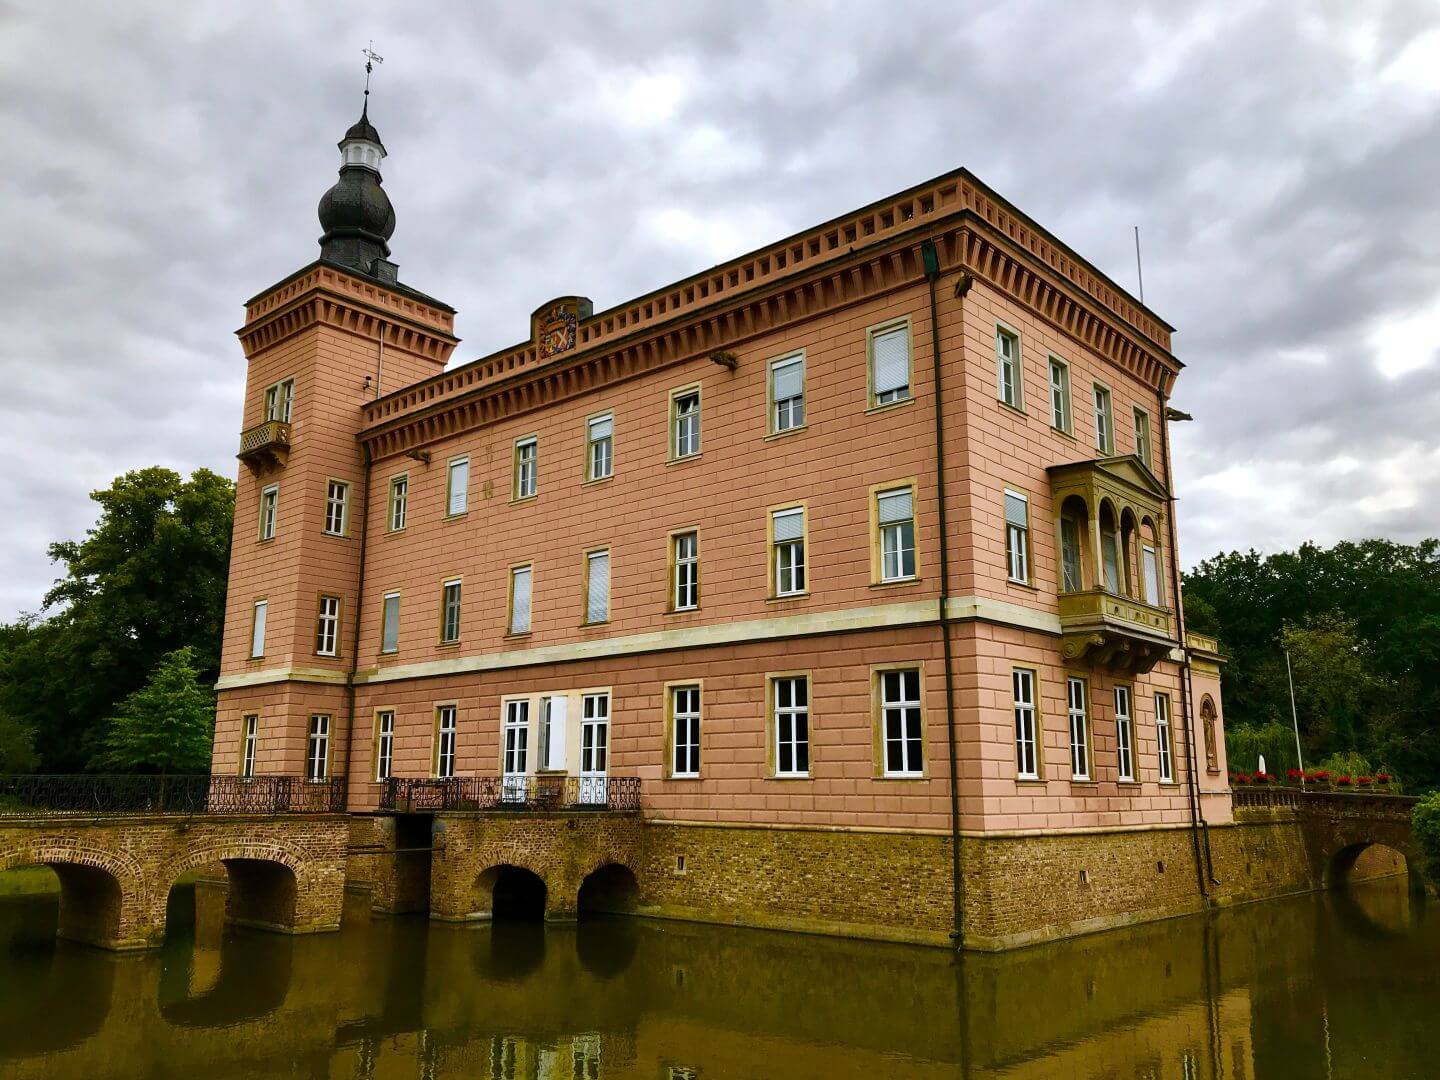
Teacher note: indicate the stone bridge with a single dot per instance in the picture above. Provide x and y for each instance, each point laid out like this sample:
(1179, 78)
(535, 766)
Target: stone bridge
(286, 873)
(1336, 827)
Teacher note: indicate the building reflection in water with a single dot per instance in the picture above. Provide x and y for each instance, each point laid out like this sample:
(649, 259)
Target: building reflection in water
(1235, 997)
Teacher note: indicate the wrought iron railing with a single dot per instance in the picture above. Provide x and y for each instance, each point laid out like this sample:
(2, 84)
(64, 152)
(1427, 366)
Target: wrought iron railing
(81, 794)
(409, 795)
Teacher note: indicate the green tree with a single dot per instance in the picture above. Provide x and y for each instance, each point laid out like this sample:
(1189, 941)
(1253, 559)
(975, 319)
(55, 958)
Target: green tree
(148, 578)
(17, 746)
(165, 726)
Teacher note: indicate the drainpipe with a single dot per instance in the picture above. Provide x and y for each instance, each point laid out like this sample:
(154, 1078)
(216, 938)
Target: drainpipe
(930, 256)
(359, 599)
(1204, 868)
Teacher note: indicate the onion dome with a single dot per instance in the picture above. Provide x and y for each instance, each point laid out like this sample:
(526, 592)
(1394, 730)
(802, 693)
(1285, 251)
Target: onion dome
(356, 213)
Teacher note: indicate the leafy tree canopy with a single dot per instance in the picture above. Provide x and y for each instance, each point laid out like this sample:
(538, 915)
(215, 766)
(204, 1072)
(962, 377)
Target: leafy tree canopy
(1361, 622)
(149, 578)
(165, 726)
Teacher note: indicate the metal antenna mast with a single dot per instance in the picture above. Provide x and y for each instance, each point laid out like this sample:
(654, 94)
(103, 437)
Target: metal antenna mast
(371, 59)
(1138, 272)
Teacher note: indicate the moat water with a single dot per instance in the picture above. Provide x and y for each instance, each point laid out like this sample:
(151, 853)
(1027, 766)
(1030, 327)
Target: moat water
(1321, 986)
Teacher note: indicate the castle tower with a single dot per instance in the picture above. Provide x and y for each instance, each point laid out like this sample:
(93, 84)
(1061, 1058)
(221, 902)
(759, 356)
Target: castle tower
(320, 344)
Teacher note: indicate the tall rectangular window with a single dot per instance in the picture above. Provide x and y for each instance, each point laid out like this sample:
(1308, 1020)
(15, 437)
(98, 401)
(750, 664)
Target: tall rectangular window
(327, 627)
(516, 744)
(399, 501)
(685, 730)
(527, 468)
(1017, 536)
(257, 628)
(685, 557)
(889, 364)
(1104, 421)
(600, 448)
(520, 579)
(1079, 729)
(597, 586)
(1150, 572)
(1027, 762)
(384, 744)
(337, 507)
(1124, 734)
(1071, 577)
(269, 511)
(787, 540)
(279, 399)
(553, 737)
(787, 393)
(457, 487)
(1007, 367)
(248, 749)
(1142, 437)
(895, 517)
(390, 623)
(1059, 395)
(900, 722)
(450, 612)
(791, 697)
(685, 424)
(1162, 738)
(445, 731)
(317, 748)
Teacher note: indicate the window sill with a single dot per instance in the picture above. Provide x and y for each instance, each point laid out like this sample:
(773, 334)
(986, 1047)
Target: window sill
(596, 480)
(787, 433)
(889, 405)
(592, 625)
(788, 598)
(1019, 410)
(456, 517)
(682, 460)
(254, 659)
(385, 654)
(1063, 433)
(392, 532)
(1080, 781)
(517, 635)
(1030, 781)
(685, 776)
(1022, 585)
(903, 778)
(447, 644)
(334, 536)
(905, 583)
(684, 611)
(790, 777)
(265, 540)
(516, 500)
(1128, 783)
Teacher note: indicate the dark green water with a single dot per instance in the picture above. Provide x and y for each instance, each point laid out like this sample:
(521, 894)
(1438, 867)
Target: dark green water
(1340, 985)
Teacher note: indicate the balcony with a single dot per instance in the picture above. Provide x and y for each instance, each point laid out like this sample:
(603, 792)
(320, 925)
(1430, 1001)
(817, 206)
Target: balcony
(1116, 632)
(265, 446)
(424, 795)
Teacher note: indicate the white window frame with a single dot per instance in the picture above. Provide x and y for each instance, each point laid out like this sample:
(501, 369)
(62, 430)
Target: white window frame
(1061, 417)
(515, 738)
(685, 570)
(1009, 380)
(909, 712)
(1077, 693)
(327, 626)
(1125, 733)
(457, 497)
(893, 396)
(249, 744)
(450, 629)
(280, 400)
(447, 729)
(1079, 552)
(896, 540)
(1166, 746)
(788, 568)
(685, 731)
(259, 612)
(525, 572)
(1150, 561)
(317, 749)
(527, 468)
(399, 502)
(591, 557)
(1017, 539)
(269, 511)
(387, 624)
(787, 413)
(685, 426)
(337, 508)
(1104, 405)
(1027, 745)
(1144, 450)
(797, 713)
(600, 449)
(384, 744)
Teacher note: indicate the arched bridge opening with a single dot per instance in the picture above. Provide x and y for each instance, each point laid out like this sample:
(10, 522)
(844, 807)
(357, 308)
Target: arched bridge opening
(511, 894)
(610, 889)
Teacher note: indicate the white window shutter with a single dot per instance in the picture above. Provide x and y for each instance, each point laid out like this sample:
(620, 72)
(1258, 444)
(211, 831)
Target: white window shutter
(598, 591)
(555, 752)
(520, 602)
(896, 506)
(601, 427)
(1016, 512)
(789, 525)
(789, 379)
(891, 360)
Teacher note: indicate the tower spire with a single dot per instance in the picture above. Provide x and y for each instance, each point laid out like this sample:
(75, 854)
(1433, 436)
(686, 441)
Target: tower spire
(356, 213)
(371, 59)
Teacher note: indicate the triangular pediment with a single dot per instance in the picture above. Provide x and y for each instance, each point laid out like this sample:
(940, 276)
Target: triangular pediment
(1125, 469)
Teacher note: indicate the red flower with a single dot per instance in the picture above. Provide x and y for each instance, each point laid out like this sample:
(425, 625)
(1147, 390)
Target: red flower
(1242, 778)
(1321, 774)
(1382, 778)
(1343, 781)
(1365, 780)
(1294, 774)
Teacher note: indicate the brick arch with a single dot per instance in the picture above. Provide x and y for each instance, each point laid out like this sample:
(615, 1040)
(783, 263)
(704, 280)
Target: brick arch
(103, 895)
(258, 894)
(240, 849)
(610, 903)
(497, 867)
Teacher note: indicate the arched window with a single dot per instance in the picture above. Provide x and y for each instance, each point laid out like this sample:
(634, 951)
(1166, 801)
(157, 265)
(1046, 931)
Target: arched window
(1151, 578)
(1207, 722)
(1110, 547)
(1129, 558)
(1074, 530)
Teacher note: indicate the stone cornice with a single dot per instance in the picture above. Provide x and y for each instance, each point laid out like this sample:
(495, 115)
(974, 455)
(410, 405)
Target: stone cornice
(513, 383)
(318, 304)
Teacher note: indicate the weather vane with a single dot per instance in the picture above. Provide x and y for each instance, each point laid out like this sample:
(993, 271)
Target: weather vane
(371, 59)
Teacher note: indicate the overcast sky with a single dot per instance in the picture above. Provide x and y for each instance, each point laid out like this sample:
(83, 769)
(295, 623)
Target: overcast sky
(162, 164)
